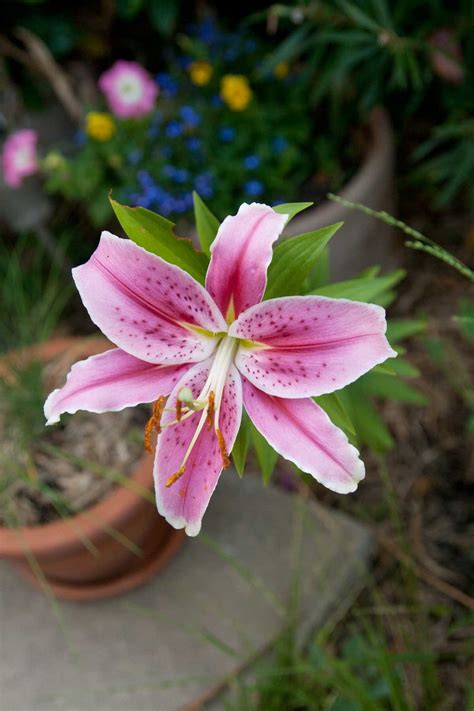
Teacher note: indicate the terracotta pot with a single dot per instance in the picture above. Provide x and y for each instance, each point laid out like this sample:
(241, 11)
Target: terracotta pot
(71, 570)
(362, 241)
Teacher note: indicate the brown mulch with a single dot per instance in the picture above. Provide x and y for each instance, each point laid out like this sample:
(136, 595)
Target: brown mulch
(80, 461)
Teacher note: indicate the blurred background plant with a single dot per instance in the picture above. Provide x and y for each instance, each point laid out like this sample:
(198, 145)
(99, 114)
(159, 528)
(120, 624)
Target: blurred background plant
(219, 127)
(412, 57)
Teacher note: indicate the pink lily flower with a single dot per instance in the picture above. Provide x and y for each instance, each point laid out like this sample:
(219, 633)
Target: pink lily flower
(19, 157)
(207, 352)
(130, 90)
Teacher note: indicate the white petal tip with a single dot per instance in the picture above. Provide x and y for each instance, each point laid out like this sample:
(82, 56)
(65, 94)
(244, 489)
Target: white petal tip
(192, 529)
(52, 420)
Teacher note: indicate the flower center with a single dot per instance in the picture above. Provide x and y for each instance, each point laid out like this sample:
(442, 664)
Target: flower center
(208, 402)
(130, 88)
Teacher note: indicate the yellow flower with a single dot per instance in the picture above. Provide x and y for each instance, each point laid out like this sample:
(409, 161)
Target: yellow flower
(236, 91)
(200, 72)
(281, 70)
(100, 125)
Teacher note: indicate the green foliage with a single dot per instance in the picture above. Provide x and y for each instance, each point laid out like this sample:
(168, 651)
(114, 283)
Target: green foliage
(162, 14)
(33, 292)
(21, 411)
(417, 240)
(413, 57)
(365, 675)
(293, 260)
(155, 234)
(206, 224)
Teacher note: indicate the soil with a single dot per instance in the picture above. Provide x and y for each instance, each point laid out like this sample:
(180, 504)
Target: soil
(91, 453)
(65, 468)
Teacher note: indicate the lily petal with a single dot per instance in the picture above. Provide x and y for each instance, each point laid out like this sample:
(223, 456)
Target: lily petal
(240, 255)
(309, 345)
(149, 308)
(301, 431)
(184, 503)
(109, 382)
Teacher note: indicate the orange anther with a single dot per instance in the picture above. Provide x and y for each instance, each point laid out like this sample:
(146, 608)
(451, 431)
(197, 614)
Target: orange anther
(223, 449)
(149, 427)
(179, 410)
(210, 410)
(174, 477)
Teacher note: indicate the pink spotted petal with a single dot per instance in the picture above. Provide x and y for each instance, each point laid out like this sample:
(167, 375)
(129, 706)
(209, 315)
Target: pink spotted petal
(109, 382)
(241, 253)
(309, 345)
(183, 504)
(301, 431)
(147, 306)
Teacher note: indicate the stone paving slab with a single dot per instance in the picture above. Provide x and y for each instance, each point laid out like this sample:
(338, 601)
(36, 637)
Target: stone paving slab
(174, 641)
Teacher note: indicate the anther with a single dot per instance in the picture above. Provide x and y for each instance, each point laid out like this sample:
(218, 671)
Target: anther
(210, 410)
(154, 422)
(149, 427)
(179, 410)
(174, 477)
(223, 449)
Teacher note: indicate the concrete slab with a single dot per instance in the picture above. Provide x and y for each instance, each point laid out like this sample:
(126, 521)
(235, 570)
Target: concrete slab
(173, 642)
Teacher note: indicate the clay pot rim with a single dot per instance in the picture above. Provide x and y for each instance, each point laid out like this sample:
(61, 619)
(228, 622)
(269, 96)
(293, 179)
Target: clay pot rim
(380, 150)
(52, 538)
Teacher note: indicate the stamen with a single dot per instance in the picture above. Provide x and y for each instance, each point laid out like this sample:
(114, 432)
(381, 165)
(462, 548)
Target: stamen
(149, 427)
(174, 477)
(210, 410)
(223, 449)
(179, 410)
(154, 423)
(158, 408)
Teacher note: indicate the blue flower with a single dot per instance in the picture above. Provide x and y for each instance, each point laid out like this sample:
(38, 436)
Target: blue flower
(167, 84)
(253, 187)
(203, 185)
(190, 116)
(181, 175)
(279, 144)
(227, 134)
(193, 144)
(80, 138)
(231, 54)
(207, 30)
(144, 178)
(216, 101)
(135, 156)
(184, 62)
(174, 129)
(169, 171)
(251, 162)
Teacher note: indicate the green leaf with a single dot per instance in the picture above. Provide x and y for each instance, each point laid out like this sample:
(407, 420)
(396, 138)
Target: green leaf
(386, 386)
(206, 223)
(398, 330)
(291, 208)
(241, 446)
(266, 455)
(400, 366)
(368, 424)
(334, 407)
(163, 15)
(293, 260)
(361, 289)
(155, 234)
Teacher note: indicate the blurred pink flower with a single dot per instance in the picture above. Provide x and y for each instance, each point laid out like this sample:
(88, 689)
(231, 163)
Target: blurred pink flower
(203, 353)
(19, 157)
(446, 56)
(129, 88)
